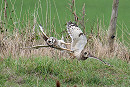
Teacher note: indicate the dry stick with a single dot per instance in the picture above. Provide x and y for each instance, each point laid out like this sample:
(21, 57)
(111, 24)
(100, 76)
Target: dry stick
(50, 30)
(74, 12)
(98, 28)
(125, 32)
(83, 17)
(39, 19)
(9, 12)
(41, 11)
(5, 15)
(103, 22)
(15, 18)
(72, 9)
(46, 14)
(57, 15)
(50, 12)
(20, 14)
(5, 12)
(34, 24)
(112, 26)
(122, 34)
(0, 17)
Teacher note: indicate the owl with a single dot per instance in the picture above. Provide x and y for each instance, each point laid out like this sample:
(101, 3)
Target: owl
(51, 42)
(78, 43)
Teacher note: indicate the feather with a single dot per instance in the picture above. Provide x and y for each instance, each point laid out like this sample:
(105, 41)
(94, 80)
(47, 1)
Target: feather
(45, 37)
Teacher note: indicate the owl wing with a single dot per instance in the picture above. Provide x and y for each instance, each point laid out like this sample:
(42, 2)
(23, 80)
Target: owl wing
(78, 39)
(40, 46)
(45, 37)
(36, 47)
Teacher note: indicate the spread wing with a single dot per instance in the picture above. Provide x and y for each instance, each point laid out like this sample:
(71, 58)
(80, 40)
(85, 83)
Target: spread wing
(45, 37)
(40, 46)
(51, 42)
(36, 47)
(78, 39)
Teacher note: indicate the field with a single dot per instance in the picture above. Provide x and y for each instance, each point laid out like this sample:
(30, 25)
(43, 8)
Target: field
(44, 72)
(43, 67)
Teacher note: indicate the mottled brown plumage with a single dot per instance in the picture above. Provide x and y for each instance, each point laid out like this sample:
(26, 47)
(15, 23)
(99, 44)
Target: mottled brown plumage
(78, 43)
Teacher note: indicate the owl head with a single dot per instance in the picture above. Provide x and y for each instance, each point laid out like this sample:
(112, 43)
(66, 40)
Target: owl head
(51, 41)
(70, 24)
(86, 54)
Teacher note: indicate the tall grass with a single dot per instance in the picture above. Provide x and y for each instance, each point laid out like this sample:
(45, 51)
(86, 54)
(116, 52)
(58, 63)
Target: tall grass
(25, 33)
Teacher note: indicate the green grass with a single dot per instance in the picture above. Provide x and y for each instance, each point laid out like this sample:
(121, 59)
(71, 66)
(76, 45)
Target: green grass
(44, 71)
(94, 9)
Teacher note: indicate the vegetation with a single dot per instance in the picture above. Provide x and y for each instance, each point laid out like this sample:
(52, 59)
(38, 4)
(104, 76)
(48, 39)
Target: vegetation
(45, 71)
(18, 29)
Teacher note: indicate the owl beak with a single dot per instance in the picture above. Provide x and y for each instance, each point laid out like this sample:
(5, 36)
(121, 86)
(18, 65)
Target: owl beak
(68, 23)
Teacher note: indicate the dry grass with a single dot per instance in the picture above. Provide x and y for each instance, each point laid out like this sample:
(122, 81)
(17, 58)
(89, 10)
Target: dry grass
(98, 45)
(28, 35)
(11, 46)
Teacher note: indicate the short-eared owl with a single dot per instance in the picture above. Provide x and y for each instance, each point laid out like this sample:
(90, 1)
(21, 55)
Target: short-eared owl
(51, 42)
(78, 42)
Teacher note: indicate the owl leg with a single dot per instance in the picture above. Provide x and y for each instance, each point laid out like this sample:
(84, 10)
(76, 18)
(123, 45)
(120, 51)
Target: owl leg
(61, 48)
(71, 54)
(65, 43)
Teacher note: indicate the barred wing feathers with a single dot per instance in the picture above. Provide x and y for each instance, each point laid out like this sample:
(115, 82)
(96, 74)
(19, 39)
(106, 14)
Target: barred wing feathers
(45, 37)
(78, 39)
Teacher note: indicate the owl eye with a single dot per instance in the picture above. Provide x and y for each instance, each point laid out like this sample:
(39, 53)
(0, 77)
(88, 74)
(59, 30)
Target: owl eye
(85, 53)
(49, 41)
(53, 40)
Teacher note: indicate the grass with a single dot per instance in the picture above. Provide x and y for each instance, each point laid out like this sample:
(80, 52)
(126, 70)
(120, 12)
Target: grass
(25, 68)
(94, 9)
(53, 14)
(44, 71)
